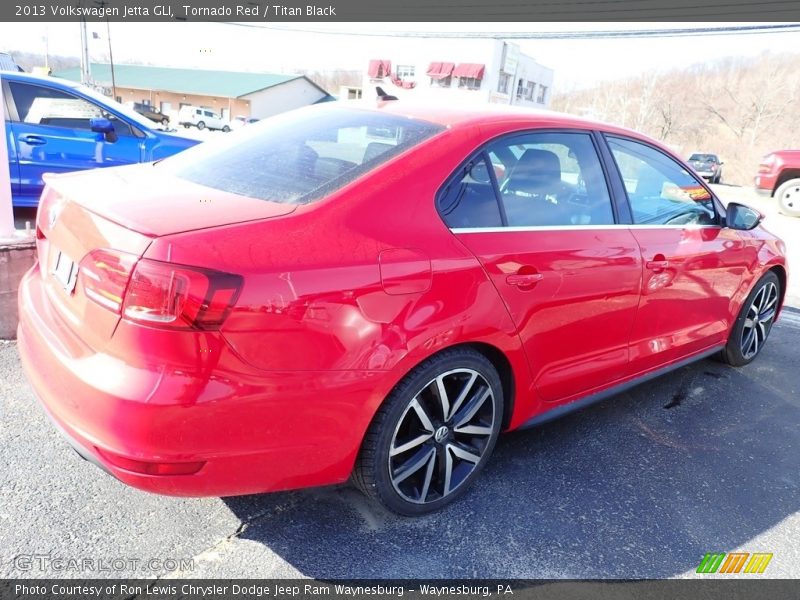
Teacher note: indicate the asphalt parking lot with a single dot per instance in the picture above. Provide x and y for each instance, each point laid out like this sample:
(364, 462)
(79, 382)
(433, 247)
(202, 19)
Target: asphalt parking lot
(643, 485)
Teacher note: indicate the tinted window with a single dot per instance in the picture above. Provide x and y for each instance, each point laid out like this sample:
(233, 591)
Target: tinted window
(470, 199)
(299, 156)
(537, 179)
(39, 105)
(661, 191)
(548, 179)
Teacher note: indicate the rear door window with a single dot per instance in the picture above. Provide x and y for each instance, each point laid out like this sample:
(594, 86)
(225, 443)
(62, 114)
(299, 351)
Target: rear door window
(300, 156)
(541, 179)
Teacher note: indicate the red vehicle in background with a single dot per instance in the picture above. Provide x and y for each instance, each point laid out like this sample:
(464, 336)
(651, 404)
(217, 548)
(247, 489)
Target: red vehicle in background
(375, 292)
(779, 176)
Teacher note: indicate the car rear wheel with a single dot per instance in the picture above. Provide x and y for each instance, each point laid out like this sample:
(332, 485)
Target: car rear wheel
(433, 434)
(165, 121)
(201, 125)
(788, 196)
(752, 326)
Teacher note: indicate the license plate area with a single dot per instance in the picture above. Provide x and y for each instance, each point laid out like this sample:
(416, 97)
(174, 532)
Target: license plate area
(65, 272)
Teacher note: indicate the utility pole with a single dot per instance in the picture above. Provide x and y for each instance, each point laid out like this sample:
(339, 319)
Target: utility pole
(86, 68)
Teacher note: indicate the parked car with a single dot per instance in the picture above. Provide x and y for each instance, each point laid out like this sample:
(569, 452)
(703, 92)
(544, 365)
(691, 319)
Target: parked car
(151, 112)
(299, 304)
(7, 63)
(201, 118)
(708, 166)
(56, 126)
(779, 176)
(240, 121)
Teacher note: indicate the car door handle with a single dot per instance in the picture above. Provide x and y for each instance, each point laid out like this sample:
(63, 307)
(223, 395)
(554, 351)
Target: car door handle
(524, 279)
(33, 140)
(657, 265)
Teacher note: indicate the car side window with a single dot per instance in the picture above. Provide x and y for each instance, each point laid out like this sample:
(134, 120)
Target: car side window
(470, 199)
(40, 105)
(551, 179)
(660, 190)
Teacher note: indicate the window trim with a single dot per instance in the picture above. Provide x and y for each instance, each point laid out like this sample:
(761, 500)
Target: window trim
(481, 151)
(622, 191)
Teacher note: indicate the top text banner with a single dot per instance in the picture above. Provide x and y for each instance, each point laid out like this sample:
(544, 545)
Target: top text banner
(403, 10)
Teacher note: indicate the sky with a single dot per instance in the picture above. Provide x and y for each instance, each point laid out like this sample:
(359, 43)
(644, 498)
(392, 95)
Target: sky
(577, 63)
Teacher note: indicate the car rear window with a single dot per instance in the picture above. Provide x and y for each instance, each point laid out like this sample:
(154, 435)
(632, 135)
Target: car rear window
(300, 156)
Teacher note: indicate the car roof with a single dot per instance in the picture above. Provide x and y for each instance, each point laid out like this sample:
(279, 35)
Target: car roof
(18, 75)
(468, 116)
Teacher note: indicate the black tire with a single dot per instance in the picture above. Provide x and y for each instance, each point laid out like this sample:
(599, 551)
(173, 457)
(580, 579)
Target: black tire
(718, 179)
(226, 129)
(788, 197)
(201, 125)
(755, 318)
(186, 126)
(165, 121)
(419, 479)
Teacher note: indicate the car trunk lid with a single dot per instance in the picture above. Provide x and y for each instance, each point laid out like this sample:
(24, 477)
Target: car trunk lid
(121, 210)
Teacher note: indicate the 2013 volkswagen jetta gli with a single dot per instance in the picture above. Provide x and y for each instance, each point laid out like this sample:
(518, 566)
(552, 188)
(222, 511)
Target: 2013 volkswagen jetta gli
(376, 292)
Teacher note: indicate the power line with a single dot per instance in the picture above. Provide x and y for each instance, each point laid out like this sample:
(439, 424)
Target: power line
(548, 35)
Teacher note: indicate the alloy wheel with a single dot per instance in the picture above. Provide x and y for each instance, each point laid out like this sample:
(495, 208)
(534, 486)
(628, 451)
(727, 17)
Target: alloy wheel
(758, 321)
(442, 436)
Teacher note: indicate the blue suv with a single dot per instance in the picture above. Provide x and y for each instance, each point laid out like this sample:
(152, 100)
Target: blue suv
(55, 126)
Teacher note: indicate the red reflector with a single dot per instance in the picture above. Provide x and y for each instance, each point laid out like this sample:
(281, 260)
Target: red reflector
(104, 275)
(152, 468)
(178, 296)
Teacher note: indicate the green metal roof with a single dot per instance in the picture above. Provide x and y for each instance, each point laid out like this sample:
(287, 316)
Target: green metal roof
(225, 84)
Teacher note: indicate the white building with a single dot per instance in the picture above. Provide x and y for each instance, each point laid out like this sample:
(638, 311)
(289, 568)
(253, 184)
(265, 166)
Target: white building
(457, 71)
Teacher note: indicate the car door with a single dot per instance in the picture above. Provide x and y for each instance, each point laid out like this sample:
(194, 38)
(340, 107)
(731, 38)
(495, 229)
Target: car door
(535, 209)
(51, 129)
(692, 265)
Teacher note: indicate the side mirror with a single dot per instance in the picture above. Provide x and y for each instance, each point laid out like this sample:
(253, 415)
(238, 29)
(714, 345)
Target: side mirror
(104, 126)
(739, 216)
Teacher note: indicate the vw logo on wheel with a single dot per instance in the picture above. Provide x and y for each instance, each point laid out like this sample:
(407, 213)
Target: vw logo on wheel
(441, 434)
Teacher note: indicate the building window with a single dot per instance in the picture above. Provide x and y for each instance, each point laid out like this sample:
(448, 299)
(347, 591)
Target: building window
(444, 82)
(529, 90)
(540, 98)
(469, 83)
(503, 83)
(405, 72)
(520, 89)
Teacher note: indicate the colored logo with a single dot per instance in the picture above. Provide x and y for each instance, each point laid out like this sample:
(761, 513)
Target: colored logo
(734, 562)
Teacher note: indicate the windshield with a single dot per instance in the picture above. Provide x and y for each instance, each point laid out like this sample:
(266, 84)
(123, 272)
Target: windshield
(703, 157)
(302, 155)
(121, 109)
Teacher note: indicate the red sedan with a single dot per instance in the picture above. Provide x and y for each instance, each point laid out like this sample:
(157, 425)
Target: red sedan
(375, 293)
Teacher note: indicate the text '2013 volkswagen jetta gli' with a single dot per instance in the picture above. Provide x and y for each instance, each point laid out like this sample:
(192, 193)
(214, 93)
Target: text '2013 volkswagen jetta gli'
(376, 292)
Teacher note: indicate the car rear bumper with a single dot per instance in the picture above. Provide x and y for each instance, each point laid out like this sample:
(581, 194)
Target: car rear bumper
(252, 433)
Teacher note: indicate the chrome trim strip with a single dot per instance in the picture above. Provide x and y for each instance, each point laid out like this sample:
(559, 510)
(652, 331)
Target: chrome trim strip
(457, 230)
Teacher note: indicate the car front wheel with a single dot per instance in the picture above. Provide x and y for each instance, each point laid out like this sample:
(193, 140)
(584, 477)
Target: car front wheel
(433, 434)
(788, 196)
(201, 125)
(752, 326)
(226, 129)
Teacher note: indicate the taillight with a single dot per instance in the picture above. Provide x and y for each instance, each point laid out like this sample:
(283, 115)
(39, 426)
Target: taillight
(177, 296)
(104, 275)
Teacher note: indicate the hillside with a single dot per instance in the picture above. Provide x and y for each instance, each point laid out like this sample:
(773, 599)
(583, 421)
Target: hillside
(739, 108)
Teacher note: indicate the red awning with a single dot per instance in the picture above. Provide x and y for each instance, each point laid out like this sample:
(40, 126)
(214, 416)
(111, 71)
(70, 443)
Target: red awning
(378, 69)
(440, 70)
(471, 70)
